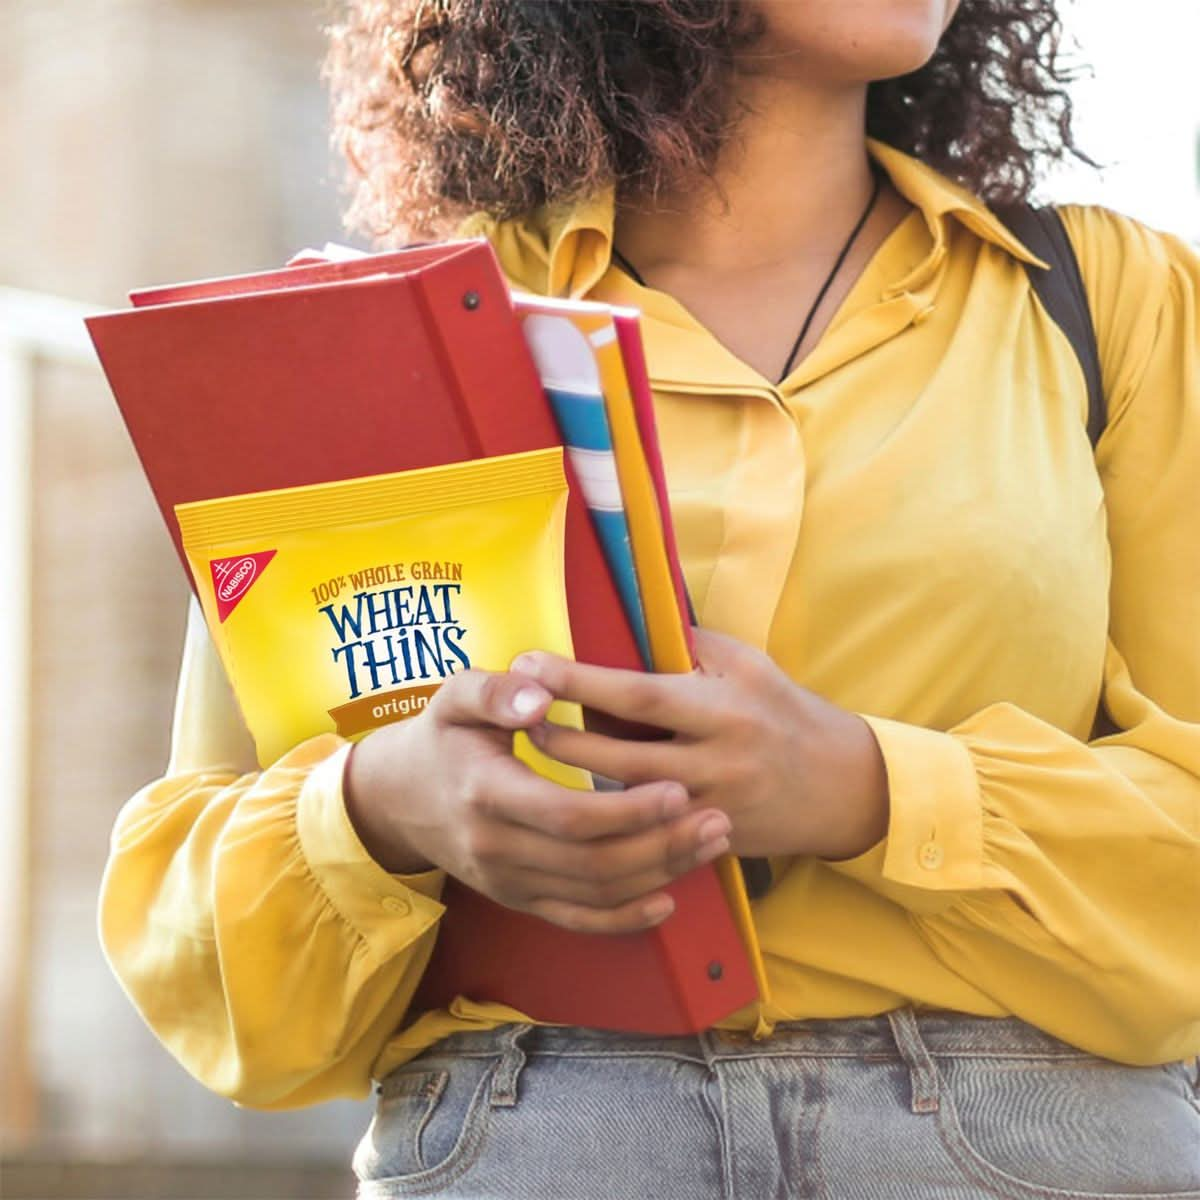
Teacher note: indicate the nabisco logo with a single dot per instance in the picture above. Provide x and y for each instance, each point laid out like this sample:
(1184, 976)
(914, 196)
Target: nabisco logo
(233, 578)
(236, 580)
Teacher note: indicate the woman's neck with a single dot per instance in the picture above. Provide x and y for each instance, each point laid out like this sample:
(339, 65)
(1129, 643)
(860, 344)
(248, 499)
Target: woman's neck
(756, 255)
(789, 184)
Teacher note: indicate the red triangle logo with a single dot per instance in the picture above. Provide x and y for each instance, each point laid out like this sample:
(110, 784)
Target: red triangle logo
(234, 577)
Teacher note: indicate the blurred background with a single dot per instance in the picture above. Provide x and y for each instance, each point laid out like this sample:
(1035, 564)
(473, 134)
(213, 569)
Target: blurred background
(148, 141)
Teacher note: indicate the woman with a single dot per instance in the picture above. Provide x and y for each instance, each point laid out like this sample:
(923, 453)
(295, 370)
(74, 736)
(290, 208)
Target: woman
(915, 583)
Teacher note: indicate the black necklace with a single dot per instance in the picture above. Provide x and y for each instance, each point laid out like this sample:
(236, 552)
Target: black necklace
(634, 274)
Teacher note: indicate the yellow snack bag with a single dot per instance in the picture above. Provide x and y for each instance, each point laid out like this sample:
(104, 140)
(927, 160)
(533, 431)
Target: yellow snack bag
(340, 607)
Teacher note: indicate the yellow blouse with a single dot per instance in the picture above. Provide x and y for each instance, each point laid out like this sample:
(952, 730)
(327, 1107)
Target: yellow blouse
(914, 526)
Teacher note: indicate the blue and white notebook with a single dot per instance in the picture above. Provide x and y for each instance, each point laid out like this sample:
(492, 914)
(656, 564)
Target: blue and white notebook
(571, 378)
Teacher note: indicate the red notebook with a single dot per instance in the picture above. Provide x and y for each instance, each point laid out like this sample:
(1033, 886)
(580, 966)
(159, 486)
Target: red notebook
(389, 363)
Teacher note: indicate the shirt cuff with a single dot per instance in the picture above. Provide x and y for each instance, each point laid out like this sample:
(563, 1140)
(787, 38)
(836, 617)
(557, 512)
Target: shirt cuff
(934, 840)
(388, 911)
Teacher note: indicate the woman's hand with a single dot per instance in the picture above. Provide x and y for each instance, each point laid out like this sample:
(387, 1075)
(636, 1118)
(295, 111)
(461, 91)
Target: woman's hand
(444, 789)
(795, 774)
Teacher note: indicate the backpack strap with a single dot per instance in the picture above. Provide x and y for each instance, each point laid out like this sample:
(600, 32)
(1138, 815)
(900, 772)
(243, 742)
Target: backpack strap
(1062, 292)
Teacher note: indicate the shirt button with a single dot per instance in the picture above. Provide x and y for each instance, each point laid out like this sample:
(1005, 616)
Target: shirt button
(397, 905)
(930, 856)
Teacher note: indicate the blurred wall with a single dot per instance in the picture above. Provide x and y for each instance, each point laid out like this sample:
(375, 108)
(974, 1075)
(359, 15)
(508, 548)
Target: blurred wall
(141, 141)
(146, 140)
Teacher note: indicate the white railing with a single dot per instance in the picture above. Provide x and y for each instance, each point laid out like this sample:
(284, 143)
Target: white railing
(33, 328)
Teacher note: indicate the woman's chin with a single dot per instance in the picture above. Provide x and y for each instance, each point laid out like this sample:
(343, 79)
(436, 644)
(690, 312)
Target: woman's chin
(851, 42)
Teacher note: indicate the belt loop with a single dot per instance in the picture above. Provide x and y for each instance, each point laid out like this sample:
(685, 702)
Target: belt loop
(508, 1069)
(915, 1053)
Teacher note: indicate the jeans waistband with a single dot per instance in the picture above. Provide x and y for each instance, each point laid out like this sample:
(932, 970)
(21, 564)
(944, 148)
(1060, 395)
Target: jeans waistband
(894, 1034)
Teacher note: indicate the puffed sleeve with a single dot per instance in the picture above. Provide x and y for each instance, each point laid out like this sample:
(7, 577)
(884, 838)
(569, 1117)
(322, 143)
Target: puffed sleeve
(260, 942)
(1062, 877)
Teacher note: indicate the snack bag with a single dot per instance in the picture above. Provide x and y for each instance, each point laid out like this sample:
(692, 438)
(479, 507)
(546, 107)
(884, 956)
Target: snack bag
(340, 607)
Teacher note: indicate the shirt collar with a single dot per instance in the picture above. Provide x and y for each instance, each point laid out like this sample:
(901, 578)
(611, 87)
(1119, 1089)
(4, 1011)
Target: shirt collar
(938, 197)
(560, 250)
(565, 249)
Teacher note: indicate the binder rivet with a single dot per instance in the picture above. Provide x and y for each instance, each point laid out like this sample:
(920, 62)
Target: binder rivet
(715, 970)
(471, 301)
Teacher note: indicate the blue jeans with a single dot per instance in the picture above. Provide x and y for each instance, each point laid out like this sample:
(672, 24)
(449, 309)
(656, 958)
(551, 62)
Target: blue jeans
(936, 1106)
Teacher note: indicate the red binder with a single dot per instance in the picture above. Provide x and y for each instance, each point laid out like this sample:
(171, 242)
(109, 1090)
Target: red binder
(389, 363)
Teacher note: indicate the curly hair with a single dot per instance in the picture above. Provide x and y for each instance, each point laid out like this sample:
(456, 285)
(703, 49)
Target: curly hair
(443, 107)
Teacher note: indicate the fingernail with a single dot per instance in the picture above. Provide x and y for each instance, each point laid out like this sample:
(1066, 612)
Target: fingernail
(658, 910)
(525, 664)
(675, 801)
(712, 828)
(711, 850)
(528, 700)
